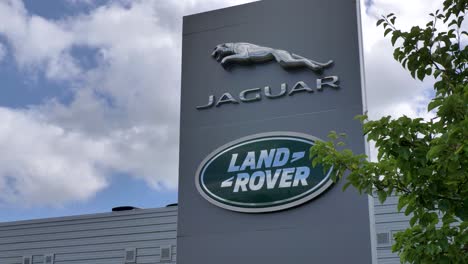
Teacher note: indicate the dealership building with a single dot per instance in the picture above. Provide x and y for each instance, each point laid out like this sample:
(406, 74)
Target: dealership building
(261, 84)
(143, 236)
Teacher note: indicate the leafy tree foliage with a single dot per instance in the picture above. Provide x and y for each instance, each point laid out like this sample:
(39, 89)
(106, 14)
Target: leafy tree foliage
(424, 162)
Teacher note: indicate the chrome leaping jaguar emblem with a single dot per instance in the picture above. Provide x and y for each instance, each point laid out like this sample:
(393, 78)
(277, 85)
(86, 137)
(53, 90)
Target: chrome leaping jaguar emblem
(237, 53)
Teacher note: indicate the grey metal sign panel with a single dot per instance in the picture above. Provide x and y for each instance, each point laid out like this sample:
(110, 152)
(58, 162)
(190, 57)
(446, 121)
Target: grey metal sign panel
(333, 227)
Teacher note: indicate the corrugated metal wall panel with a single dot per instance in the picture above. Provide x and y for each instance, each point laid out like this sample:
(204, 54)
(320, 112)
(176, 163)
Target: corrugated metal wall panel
(97, 239)
(89, 233)
(390, 200)
(389, 261)
(83, 219)
(115, 224)
(103, 238)
(88, 248)
(391, 217)
(388, 220)
(386, 253)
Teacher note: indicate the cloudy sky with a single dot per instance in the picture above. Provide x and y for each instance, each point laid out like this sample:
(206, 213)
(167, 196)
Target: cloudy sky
(83, 124)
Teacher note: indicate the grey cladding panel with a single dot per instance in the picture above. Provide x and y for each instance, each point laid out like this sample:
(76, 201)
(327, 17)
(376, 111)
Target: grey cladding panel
(386, 253)
(81, 220)
(388, 222)
(321, 30)
(97, 239)
(390, 261)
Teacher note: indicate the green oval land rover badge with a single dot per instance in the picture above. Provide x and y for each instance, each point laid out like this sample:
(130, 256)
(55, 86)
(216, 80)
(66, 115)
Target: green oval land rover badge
(262, 173)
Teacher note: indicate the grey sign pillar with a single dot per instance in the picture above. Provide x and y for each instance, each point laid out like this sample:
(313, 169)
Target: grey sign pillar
(332, 228)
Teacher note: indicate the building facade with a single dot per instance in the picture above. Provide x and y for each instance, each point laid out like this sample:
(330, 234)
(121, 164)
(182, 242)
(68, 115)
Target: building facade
(140, 236)
(250, 110)
(137, 236)
(388, 221)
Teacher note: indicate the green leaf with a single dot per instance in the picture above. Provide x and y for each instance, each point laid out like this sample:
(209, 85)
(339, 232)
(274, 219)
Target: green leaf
(434, 151)
(388, 30)
(409, 209)
(421, 74)
(395, 38)
(460, 21)
(404, 62)
(402, 201)
(382, 196)
(428, 72)
(452, 23)
(433, 104)
(424, 160)
(346, 185)
(361, 118)
(380, 21)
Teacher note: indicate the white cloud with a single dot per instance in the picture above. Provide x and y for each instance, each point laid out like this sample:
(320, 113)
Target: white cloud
(44, 164)
(390, 88)
(35, 41)
(409, 13)
(125, 112)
